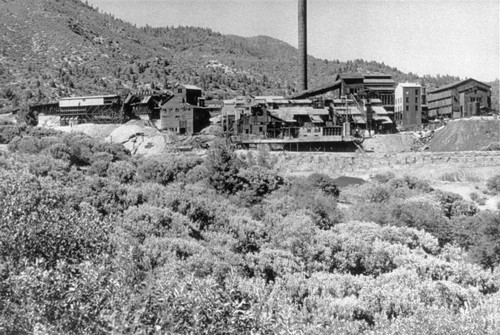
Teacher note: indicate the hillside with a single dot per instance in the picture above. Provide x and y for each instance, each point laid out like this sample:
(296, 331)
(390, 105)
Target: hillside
(55, 48)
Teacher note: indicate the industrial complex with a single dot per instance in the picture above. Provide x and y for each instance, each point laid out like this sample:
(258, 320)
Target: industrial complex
(336, 116)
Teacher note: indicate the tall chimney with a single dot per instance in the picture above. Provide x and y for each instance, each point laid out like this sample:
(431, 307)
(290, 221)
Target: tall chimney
(302, 45)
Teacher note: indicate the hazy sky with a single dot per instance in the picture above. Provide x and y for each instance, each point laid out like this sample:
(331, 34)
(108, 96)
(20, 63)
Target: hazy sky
(457, 37)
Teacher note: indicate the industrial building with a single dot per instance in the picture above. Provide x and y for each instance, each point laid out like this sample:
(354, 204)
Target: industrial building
(461, 99)
(381, 86)
(185, 112)
(98, 109)
(408, 105)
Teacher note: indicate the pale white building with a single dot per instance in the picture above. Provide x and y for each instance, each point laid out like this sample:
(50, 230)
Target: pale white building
(408, 105)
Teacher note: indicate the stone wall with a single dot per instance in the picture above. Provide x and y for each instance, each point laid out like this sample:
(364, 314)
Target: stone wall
(362, 164)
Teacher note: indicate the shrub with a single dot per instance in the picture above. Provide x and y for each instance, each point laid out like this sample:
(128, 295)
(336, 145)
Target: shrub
(422, 214)
(166, 169)
(44, 166)
(9, 132)
(25, 145)
(383, 178)
(122, 171)
(257, 182)
(100, 163)
(493, 184)
(324, 183)
(35, 223)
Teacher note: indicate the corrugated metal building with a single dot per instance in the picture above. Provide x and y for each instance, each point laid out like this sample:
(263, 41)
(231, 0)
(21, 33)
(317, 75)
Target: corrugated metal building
(461, 99)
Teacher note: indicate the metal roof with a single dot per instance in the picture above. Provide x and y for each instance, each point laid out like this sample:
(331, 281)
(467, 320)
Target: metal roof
(456, 84)
(384, 119)
(377, 75)
(409, 85)
(380, 88)
(350, 75)
(269, 98)
(191, 87)
(302, 111)
(351, 111)
(379, 110)
(284, 117)
(91, 97)
(316, 119)
(378, 81)
(358, 119)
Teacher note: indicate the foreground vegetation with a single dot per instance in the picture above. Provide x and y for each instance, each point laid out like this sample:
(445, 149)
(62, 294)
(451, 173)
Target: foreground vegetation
(94, 241)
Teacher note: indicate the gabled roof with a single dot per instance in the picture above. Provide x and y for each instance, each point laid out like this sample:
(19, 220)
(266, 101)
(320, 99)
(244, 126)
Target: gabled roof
(457, 84)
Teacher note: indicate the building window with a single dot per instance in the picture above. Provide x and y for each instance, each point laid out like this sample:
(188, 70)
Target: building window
(416, 100)
(407, 99)
(416, 91)
(407, 108)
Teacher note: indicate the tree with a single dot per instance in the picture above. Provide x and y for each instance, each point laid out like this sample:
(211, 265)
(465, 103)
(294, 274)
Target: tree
(222, 168)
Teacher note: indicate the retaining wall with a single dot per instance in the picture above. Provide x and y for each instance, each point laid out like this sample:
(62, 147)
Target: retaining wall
(371, 163)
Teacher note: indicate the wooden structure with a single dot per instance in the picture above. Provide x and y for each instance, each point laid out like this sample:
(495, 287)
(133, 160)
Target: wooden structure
(461, 99)
(50, 108)
(291, 128)
(146, 105)
(183, 118)
(189, 93)
(97, 109)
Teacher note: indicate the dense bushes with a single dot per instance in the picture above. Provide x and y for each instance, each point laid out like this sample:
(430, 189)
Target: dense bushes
(167, 169)
(95, 242)
(35, 224)
(493, 184)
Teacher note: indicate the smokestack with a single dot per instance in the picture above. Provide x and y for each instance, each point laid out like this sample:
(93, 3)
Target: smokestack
(302, 45)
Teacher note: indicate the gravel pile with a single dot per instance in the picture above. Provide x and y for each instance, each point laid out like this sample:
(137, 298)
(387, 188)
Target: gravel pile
(466, 135)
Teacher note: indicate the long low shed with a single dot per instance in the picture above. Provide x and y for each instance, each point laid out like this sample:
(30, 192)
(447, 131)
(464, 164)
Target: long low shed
(88, 101)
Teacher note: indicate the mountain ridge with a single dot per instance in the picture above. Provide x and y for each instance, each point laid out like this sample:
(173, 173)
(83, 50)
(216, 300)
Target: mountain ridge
(56, 48)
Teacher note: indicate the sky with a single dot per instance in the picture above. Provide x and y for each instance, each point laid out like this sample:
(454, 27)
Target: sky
(455, 37)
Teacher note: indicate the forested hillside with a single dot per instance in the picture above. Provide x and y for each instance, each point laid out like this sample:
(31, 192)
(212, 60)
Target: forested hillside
(94, 241)
(56, 48)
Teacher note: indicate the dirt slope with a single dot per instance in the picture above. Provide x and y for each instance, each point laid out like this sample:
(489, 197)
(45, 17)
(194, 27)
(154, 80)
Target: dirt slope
(466, 135)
